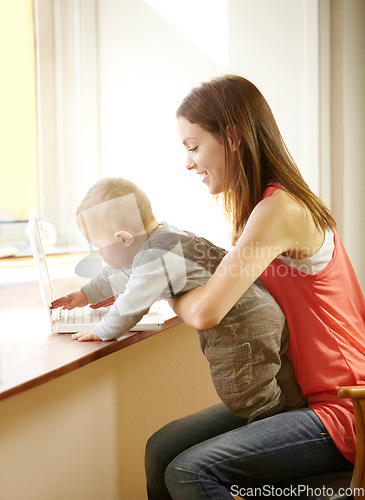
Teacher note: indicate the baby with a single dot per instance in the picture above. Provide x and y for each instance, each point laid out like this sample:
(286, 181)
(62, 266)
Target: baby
(150, 260)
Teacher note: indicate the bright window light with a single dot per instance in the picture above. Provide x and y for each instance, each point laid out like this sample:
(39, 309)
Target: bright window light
(204, 22)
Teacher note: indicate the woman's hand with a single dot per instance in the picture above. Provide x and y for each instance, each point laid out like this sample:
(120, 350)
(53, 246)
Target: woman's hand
(72, 300)
(172, 303)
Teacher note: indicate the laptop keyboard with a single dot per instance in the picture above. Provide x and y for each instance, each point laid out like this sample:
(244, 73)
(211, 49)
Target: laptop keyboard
(80, 315)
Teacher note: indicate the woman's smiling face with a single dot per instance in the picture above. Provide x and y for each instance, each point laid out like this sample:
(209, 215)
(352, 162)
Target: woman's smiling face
(206, 154)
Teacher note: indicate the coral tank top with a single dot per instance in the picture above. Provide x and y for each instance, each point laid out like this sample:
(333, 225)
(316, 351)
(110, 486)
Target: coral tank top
(325, 313)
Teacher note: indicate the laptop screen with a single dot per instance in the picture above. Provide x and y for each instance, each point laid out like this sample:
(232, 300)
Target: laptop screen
(40, 260)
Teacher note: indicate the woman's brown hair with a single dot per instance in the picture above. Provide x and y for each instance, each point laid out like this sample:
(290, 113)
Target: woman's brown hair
(232, 107)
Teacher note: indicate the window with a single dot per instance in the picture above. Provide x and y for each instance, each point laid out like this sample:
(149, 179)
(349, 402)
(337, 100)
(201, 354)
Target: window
(18, 128)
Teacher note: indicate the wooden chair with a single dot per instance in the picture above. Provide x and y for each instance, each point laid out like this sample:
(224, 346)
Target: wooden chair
(357, 394)
(322, 485)
(353, 479)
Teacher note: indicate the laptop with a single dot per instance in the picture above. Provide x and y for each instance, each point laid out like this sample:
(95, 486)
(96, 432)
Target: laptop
(82, 318)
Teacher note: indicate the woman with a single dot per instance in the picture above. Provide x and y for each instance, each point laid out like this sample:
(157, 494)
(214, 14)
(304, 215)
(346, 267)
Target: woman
(282, 232)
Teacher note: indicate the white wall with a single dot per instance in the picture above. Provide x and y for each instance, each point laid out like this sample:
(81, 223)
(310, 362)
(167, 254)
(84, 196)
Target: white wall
(147, 65)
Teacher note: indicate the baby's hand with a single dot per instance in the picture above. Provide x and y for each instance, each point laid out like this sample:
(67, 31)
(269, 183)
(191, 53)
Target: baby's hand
(85, 335)
(104, 303)
(74, 299)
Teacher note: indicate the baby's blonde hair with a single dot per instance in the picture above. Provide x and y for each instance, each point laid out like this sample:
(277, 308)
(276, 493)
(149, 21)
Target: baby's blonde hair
(116, 203)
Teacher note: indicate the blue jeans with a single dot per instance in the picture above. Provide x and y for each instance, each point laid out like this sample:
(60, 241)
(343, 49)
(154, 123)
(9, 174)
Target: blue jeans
(213, 453)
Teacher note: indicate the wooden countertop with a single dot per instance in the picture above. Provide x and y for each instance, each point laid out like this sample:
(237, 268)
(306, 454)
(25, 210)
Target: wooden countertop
(30, 354)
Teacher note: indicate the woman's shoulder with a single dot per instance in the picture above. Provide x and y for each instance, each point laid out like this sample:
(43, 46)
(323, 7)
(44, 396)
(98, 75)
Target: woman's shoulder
(273, 219)
(280, 204)
(293, 219)
(282, 221)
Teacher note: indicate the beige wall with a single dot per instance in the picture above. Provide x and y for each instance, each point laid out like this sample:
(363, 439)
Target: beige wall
(82, 436)
(353, 106)
(18, 140)
(342, 99)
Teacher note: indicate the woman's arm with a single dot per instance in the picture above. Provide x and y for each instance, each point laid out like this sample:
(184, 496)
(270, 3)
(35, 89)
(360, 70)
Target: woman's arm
(276, 225)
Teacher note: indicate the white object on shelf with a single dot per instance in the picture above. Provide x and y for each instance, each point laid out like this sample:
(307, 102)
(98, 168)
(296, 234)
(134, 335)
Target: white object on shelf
(7, 251)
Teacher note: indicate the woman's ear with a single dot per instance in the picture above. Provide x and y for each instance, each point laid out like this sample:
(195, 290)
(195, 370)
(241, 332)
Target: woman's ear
(233, 141)
(125, 237)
